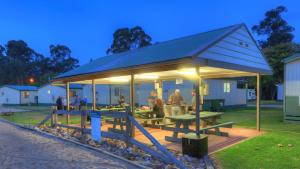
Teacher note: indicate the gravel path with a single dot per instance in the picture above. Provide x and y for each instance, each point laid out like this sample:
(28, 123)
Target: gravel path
(22, 149)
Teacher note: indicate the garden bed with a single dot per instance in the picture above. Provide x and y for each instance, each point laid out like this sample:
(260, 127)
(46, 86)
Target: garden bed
(132, 153)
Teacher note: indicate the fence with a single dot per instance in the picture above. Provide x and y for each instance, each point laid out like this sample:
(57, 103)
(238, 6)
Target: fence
(161, 152)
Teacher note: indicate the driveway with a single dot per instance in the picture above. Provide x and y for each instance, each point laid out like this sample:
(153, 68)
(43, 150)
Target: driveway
(23, 149)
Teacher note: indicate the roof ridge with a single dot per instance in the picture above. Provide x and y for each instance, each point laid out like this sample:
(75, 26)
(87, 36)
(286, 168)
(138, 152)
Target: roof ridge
(167, 41)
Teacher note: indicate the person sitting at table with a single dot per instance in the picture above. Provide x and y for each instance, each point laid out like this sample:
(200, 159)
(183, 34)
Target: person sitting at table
(176, 100)
(159, 108)
(121, 100)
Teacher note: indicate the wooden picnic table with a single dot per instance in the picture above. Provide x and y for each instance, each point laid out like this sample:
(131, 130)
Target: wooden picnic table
(207, 117)
(186, 120)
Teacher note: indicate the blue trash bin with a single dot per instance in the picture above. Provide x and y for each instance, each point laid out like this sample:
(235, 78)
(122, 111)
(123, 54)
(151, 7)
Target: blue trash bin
(96, 126)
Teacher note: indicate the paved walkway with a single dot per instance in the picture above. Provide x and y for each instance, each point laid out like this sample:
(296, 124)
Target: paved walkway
(22, 149)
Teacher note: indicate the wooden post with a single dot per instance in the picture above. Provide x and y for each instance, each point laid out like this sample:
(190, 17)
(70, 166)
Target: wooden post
(52, 117)
(68, 101)
(197, 92)
(159, 90)
(132, 102)
(83, 124)
(94, 95)
(258, 102)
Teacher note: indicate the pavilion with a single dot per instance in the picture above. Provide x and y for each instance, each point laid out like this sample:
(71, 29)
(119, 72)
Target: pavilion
(222, 53)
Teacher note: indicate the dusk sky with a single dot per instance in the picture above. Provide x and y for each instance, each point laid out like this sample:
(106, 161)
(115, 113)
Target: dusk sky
(87, 26)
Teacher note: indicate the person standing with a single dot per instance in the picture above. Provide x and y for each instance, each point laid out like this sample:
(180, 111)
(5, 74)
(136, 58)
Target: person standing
(176, 100)
(59, 104)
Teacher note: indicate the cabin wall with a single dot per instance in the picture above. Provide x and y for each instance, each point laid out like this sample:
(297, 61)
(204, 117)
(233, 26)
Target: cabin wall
(106, 94)
(9, 96)
(48, 94)
(28, 97)
(292, 91)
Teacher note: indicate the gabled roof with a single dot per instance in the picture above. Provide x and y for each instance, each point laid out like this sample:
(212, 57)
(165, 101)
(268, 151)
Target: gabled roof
(22, 88)
(292, 58)
(188, 47)
(72, 86)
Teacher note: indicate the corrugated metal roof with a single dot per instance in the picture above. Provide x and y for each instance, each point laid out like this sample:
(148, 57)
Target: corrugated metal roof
(292, 58)
(166, 51)
(22, 88)
(72, 86)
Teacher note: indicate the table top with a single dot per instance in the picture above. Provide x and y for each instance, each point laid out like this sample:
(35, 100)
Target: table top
(208, 114)
(203, 115)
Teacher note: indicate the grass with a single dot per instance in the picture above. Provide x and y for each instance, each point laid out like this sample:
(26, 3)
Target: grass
(266, 102)
(35, 115)
(262, 152)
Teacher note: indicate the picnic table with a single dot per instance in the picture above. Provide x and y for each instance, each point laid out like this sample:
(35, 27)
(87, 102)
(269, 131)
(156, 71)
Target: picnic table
(208, 117)
(186, 120)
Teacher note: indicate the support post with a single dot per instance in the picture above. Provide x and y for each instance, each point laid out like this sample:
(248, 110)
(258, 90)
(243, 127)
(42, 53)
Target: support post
(197, 92)
(83, 125)
(159, 90)
(94, 94)
(132, 102)
(194, 144)
(258, 102)
(68, 101)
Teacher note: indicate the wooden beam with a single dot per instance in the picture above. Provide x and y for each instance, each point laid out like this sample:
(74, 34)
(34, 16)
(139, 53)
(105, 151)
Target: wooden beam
(162, 66)
(197, 92)
(68, 101)
(258, 88)
(94, 94)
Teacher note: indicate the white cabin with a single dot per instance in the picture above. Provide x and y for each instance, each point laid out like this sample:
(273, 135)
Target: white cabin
(48, 94)
(15, 94)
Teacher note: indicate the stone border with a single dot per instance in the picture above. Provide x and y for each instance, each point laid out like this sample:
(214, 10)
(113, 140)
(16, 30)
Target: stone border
(48, 135)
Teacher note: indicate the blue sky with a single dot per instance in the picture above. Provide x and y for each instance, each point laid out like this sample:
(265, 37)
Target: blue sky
(86, 26)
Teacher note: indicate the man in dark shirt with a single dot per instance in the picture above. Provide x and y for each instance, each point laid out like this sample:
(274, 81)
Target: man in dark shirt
(59, 104)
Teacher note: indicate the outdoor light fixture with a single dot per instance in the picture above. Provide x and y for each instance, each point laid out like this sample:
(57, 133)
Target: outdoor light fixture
(187, 71)
(31, 80)
(147, 76)
(119, 79)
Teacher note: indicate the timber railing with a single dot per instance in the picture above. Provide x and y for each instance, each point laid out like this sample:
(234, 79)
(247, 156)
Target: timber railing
(160, 151)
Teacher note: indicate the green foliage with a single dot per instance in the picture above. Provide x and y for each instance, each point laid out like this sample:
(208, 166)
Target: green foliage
(19, 63)
(276, 47)
(61, 60)
(275, 55)
(275, 28)
(127, 39)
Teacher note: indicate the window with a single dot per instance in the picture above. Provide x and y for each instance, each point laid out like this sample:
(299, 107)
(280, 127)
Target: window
(226, 87)
(26, 94)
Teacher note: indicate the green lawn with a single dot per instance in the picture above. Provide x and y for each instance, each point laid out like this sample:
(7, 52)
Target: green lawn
(262, 152)
(35, 115)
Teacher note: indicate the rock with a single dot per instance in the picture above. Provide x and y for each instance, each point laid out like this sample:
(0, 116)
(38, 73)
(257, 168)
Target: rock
(279, 145)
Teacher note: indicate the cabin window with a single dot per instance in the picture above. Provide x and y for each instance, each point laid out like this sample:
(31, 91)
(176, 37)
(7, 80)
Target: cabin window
(226, 87)
(26, 94)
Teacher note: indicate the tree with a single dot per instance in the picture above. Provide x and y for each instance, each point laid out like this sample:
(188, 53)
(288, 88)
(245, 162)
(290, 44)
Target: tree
(275, 47)
(127, 39)
(61, 59)
(275, 28)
